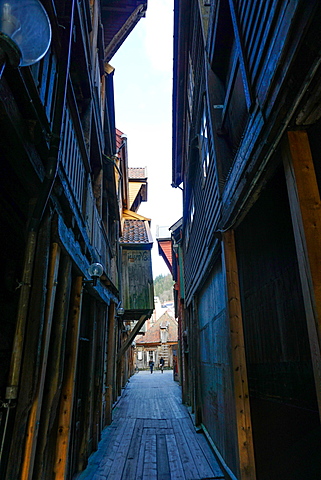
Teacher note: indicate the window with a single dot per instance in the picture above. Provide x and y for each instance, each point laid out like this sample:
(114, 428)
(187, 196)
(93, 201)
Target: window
(233, 97)
(191, 212)
(204, 143)
(190, 219)
(190, 85)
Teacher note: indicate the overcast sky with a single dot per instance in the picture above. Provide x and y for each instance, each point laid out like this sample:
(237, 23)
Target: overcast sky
(143, 104)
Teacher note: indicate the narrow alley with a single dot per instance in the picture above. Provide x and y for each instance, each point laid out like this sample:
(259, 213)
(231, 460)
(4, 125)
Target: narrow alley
(152, 436)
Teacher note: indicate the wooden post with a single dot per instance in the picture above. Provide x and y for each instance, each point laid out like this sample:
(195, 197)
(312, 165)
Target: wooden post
(30, 359)
(305, 205)
(241, 392)
(197, 368)
(67, 394)
(110, 362)
(55, 367)
(34, 416)
(14, 374)
(93, 373)
(131, 336)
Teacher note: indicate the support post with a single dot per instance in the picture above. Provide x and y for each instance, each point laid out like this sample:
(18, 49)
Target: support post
(305, 206)
(55, 367)
(16, 358)
(110, 362)
(241, 391)
(68, 387)
(35, 412)
(131, 336)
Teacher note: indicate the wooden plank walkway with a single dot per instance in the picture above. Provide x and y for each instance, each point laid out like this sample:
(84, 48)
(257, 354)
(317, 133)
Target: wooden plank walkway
(152, 437)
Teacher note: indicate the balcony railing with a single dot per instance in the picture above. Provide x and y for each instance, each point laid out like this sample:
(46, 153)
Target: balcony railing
(71, 160)
(78, 182)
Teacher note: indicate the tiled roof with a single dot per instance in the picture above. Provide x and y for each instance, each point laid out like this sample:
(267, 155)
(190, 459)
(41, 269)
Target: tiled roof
(153, 334)
(135, 231)
(119, 139)
(139, 173)
(165, 250)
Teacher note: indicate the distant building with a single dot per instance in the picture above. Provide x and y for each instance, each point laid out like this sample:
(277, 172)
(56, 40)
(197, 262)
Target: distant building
(159, 341)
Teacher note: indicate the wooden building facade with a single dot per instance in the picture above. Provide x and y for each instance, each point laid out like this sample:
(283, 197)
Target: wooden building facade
(159, 341)
(136, 270)
(246, 150)
(60, 211)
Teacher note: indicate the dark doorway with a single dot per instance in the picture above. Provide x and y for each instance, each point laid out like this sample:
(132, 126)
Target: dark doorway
(285, 417)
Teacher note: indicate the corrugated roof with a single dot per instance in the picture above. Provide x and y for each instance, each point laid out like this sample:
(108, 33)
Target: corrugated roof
(135, 232)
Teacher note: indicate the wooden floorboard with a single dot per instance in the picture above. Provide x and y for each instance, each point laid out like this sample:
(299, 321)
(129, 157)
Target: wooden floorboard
(152, 437)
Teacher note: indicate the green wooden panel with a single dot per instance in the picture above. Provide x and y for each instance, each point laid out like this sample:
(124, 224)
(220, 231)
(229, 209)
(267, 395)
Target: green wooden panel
(138, 291)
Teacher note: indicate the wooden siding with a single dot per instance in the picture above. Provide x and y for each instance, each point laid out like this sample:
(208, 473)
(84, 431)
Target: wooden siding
(204, 189)
(275, 329)
(137, 280)
(217, 406)
(263, 81)
(267, 49)
(71, 159)
(276, 338)
(44, 74)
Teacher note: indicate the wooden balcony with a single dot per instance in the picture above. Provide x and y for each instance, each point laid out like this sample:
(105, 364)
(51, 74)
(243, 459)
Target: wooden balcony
(76, 180)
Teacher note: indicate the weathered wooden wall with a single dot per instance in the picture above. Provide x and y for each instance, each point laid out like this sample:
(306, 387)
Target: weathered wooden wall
(137, 280)
(217, 406)
(280, 373)
(58, 214)
(257, 75)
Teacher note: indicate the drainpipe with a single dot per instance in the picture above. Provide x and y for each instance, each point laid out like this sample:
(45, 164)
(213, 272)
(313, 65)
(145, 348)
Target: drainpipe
(52, 165)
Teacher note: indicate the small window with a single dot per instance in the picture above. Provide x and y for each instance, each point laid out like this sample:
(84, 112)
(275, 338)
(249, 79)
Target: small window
(190, 219)
(190, 85)
(191, 212)
(204, 144)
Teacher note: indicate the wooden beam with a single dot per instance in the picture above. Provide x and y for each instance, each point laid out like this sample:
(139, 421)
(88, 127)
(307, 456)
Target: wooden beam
(92, 371)
(131, 336)
(55, 367)
(30, 362)
(18, 343)
(305, 205)
(243, 61)
(34, 416)
(110, 380)
(68, 388)
(241, 391)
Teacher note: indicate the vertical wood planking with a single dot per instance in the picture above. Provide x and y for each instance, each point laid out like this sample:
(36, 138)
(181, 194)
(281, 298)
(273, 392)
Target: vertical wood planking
(26, 347)
(110, 378)
(305, 205)
(55, 365)
(66, 403)
(34, 416)
(241, 392)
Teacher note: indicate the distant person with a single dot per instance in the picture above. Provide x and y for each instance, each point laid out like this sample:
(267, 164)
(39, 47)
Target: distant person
(161, 364)
(151, 365)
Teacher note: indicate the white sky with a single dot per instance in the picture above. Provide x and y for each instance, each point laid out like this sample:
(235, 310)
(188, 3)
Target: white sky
(143, 106)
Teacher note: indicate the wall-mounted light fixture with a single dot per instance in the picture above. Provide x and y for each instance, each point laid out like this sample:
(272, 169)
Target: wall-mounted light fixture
(25, 32)
(95, 271)
(120, 311)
